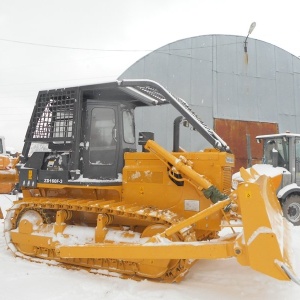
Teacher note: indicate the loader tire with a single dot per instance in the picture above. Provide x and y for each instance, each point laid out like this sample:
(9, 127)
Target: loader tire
(291, 209)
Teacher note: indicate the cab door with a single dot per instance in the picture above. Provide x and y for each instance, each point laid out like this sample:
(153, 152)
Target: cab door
(101, 147)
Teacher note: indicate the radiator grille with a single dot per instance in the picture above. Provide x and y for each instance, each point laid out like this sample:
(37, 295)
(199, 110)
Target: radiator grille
(227, 174)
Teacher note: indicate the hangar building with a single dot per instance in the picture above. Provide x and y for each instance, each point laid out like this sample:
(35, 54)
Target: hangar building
(238, 92)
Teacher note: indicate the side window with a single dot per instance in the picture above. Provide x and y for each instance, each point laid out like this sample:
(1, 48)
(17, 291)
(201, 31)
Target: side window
(280, 146)
(128, 127)
(272, 146)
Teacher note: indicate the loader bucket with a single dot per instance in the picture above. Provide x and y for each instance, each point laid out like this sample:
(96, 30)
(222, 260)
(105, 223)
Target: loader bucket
(251, 173)
(265, 242)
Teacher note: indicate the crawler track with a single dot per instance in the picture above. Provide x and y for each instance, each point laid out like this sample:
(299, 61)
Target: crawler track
(160, 270)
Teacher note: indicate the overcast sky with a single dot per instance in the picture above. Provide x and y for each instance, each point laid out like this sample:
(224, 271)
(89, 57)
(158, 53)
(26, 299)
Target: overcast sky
(60, 43)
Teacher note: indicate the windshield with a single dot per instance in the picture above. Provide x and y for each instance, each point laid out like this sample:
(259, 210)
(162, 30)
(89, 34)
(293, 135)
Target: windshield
(279, 145)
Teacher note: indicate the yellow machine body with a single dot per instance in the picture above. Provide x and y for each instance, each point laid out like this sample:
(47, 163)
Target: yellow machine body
(146, 180)
(160, 234)
(8, 173)
(156, 219)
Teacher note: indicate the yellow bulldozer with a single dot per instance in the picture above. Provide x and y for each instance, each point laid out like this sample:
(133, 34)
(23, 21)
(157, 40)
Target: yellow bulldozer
(8, 172)
(92, 200)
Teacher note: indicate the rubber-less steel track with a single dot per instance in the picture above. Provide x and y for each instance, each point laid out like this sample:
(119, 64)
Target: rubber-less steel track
(173, 270)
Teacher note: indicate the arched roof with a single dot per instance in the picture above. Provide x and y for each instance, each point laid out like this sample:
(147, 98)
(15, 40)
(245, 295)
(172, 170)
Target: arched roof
(220, 80)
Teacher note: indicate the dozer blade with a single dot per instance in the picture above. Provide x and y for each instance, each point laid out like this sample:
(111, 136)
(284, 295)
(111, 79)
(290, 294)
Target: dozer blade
(265, 242)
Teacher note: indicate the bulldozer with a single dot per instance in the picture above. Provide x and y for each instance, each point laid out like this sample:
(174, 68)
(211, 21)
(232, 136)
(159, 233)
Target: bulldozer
(8, 170)
(91, 200)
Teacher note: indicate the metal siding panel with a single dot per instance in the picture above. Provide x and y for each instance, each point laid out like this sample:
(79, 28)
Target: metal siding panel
(182, 48)
(297, 97)
(226, 54)
(201, 83)
(202, 48)
(265, 60)
(285, 93)
(227, 104)
(296, 64)
(179, 76)
(247, 99)
(224, 62)
(156, 66)
(266, 100)
(284, 62)
(287, 123)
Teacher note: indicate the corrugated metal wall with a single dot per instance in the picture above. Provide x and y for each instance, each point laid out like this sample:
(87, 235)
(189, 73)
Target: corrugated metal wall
(212, 74)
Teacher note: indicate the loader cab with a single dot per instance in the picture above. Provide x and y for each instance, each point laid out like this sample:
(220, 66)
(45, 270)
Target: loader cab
(282, 150)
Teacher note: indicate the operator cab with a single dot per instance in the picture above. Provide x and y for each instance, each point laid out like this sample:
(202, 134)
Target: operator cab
(79, 135)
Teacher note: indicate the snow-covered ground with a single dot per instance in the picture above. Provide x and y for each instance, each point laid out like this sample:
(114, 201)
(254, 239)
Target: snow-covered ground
(218, 279)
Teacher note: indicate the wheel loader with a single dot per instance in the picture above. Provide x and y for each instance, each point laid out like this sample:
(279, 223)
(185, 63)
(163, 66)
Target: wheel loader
(281, 155)
(282, 151)
(91, 200)
(8, 171)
